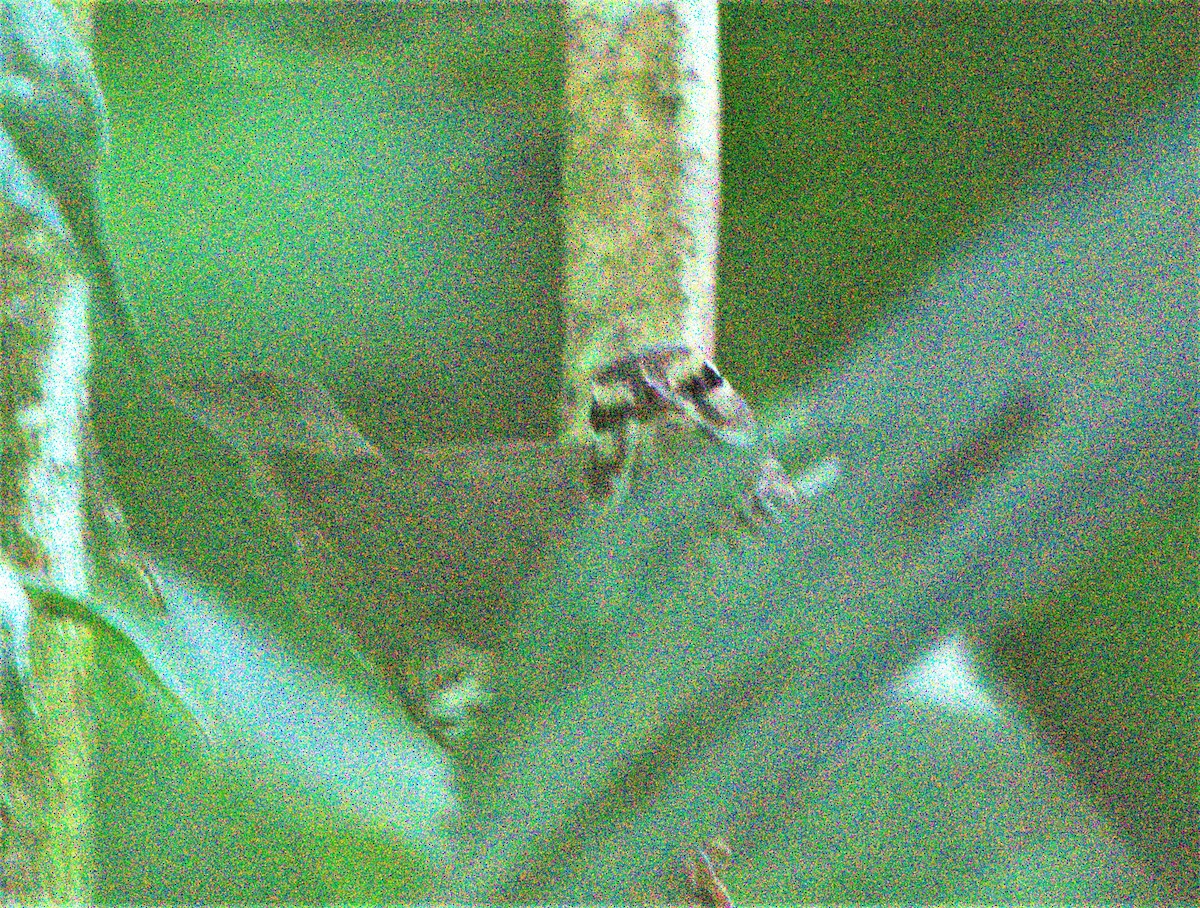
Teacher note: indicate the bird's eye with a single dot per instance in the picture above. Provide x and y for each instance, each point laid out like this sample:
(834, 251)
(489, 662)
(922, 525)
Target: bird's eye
(709, 377)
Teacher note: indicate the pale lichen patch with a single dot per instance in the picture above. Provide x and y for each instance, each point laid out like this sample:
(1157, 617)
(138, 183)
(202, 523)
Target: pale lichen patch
(32, 271)
(621, 191)
(53, 513)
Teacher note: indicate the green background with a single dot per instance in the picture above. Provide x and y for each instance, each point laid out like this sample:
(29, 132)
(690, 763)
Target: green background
(369, 194)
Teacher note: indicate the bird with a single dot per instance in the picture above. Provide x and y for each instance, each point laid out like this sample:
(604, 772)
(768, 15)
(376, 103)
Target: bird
(634, 397)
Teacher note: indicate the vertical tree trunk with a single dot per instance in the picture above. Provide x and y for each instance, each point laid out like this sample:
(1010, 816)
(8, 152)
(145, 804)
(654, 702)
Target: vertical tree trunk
(640, 184)
(47, 742)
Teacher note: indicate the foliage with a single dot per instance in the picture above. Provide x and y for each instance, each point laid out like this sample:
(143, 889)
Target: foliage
(405, 256)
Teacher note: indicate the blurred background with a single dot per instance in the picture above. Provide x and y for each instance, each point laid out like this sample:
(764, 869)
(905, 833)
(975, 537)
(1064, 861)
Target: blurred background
(368, 194)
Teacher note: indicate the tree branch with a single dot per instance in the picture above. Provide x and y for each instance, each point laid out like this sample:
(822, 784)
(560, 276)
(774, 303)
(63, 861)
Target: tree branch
(640, 185)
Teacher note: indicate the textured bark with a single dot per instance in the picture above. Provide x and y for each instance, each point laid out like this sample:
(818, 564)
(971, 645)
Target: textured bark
(639, 186)
(46, 729)
(46, 740)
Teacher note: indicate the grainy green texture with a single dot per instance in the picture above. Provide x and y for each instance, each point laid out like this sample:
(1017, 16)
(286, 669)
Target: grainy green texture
(861, 143)
(367, 194)
(404, 247)
(1122, 641)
